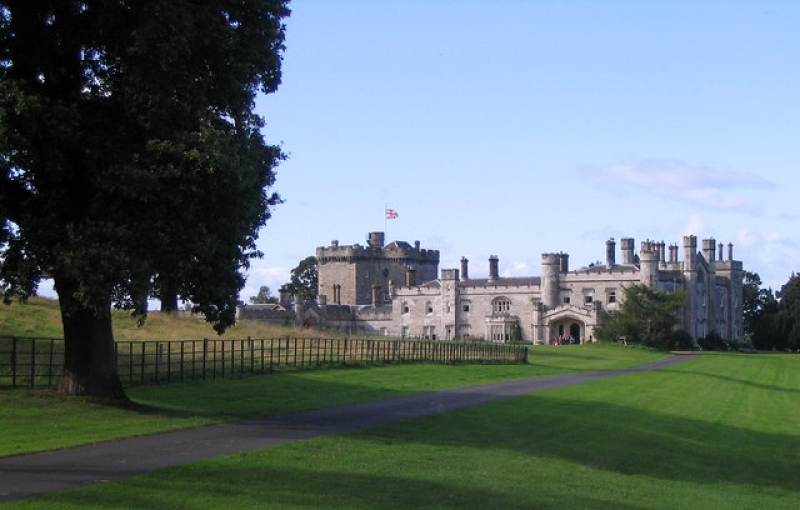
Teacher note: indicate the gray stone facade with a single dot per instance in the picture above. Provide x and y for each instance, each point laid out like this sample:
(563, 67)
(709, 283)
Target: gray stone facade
(394, 290)
(360, 275)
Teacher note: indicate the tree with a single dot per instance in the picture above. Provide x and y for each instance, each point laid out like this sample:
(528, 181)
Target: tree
(131, 159)
(263, 297)
(305, 279)
(645, 315)
(759, 310)
(788, 316)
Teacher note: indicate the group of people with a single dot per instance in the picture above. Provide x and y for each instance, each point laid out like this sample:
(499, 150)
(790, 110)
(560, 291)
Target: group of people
(564, 340)
(568, 340)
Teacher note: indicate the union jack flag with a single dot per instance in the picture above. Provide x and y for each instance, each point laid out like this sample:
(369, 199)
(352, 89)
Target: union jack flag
(391, 214)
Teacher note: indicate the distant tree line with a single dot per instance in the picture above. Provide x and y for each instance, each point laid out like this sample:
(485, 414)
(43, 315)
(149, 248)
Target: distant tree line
(772, 319)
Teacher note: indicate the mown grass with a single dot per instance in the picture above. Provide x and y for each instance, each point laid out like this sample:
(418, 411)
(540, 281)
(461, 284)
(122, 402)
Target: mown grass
(38, 420)
(719, 432)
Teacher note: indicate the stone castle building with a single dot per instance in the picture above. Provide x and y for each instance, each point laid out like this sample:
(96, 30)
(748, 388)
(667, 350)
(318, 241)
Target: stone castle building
(396, 290)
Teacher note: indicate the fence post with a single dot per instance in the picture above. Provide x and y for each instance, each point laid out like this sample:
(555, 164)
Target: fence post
(50, 363)
(33, 363)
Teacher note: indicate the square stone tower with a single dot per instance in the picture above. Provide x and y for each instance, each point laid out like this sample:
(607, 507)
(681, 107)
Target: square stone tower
(348, 275)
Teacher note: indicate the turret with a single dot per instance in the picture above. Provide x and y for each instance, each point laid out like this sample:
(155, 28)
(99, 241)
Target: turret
(611, 248)
(551, 282)
(376, 240)
(673, 253)
(494, 272)
(689, 252)
(464, 268)
(626, 245)
(709, 249)
(648, 260)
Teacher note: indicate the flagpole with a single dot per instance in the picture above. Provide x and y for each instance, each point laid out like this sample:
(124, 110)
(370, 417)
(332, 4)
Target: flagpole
(385, 234)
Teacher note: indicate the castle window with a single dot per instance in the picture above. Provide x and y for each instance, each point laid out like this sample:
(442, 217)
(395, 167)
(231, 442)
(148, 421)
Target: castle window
(587, 299)
(612, 296)
(501, 305)
(565, 299)
(429, 332)
(499, 333)
(406, 308)
(465, 306)
(429, 308)
(404, 332)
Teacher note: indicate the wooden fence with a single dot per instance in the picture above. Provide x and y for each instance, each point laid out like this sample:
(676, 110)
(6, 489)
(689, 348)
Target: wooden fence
(37, 362)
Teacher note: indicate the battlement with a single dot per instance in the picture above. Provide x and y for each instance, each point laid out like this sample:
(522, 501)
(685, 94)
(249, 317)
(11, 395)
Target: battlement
(397, 251)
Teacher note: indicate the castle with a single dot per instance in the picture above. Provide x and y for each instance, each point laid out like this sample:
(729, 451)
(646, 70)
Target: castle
(396, 290)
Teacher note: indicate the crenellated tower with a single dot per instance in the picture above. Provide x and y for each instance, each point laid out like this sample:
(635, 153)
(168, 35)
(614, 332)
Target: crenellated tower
(361, 275)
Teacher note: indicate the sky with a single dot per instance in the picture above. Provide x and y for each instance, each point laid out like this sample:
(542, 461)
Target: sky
(521, 127)
(516, 128)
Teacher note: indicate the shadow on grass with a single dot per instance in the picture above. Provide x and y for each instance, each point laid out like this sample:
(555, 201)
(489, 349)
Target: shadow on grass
(220, 486)
(256, 396)
(612, 438)
(735, 380)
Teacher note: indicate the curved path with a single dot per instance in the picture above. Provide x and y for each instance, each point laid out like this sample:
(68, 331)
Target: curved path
(27, 475)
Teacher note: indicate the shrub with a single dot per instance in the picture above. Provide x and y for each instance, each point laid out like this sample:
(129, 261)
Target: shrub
(713, 342)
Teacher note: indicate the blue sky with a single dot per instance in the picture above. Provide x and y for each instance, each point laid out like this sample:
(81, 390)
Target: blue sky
(515, 128)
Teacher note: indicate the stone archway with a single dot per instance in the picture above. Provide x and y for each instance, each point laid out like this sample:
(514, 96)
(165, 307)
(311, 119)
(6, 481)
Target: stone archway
(567, 330)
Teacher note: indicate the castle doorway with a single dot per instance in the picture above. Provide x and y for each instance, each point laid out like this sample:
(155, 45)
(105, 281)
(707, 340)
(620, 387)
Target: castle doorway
(566, 331)
(575, 332)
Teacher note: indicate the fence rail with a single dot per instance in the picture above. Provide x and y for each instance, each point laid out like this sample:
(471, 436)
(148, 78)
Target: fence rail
(37, 362)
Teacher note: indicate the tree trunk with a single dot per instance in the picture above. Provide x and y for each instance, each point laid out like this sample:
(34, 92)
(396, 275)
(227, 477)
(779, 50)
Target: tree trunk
(90, 360)
(169, 297)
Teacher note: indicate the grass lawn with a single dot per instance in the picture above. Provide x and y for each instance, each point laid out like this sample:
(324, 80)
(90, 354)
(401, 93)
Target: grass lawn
(718, 432)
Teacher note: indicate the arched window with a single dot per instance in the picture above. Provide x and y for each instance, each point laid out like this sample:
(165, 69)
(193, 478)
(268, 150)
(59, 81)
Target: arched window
(501, 305)
(429, 308)
(406, 308)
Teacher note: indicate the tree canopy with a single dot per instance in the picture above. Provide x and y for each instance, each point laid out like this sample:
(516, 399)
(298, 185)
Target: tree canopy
(645, 316)
(305, 279)
(774, 323)
(131, 159)
(263, 297)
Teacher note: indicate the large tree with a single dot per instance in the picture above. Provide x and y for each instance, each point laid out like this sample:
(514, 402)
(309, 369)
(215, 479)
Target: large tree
(131, 160)
(645, 315)
(304, 282)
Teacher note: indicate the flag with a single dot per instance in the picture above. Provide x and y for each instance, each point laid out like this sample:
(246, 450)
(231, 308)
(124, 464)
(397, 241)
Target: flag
(391, 214)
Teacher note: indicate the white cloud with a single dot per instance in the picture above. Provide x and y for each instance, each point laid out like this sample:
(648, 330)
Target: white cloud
(518, 269)
(694, 225)
(709, 187)
(273, 277)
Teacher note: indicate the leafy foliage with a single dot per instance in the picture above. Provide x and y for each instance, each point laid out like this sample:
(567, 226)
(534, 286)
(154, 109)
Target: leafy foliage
(772, 320)
(645, 316)
(130, 156)
(263, 297)
(305, 279)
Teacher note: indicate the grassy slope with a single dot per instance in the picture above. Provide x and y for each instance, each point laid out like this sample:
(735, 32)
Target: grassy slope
(40, 317)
